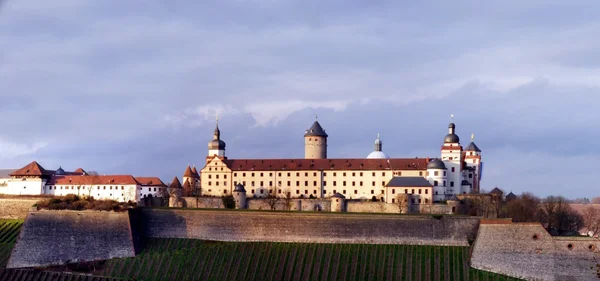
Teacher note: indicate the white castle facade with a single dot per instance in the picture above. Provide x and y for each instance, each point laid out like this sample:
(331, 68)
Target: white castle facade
(378, 177)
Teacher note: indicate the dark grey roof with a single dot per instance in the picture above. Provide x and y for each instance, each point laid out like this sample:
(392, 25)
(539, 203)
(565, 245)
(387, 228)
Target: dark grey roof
(338, 195)
(216, 145)
(60, 171)
(5, 173)
(451, 125)
(451, 138)
(473, 147)
(239, 188)
(465, 182)
(453, 198)
(436, 163)
(511, 196)
(496, 191)
(315, 131)
(408, 182)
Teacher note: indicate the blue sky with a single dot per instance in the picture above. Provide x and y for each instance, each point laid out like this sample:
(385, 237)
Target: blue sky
(134, 86)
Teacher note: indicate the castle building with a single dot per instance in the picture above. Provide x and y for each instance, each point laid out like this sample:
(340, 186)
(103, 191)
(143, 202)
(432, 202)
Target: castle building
(456, 171)
(33, 179)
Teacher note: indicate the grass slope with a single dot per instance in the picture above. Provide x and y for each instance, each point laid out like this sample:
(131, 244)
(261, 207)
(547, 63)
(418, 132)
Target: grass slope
(9, 230)
(189, 259)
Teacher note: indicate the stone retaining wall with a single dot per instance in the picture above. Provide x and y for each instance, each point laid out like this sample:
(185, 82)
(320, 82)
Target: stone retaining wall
(527, 251)
(60, 237)
(308, 227)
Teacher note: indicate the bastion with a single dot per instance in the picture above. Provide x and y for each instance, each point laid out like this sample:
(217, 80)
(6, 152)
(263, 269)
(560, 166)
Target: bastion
(60, 237)
(527, 251)
(307, 227)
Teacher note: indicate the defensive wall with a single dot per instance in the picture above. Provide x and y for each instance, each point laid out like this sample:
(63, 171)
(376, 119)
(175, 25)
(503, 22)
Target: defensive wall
(59, 237)
(320, 204)
(16, 207)
(307, 227)
(526, 250)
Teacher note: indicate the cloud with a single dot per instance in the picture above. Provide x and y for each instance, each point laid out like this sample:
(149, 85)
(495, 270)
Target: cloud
(10, 150)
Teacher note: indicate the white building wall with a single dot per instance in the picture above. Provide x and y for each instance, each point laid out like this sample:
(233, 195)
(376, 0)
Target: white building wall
(213, 152)
(121, 193)
(25, 186)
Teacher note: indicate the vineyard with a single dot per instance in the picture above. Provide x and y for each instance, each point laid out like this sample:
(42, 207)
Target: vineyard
(188, 259)
(9, 230)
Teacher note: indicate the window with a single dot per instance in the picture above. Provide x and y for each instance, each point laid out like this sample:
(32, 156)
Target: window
(262, 183)
(344, 183)
(435, 183)
(426, 200)
(360, 183)
(373, 183)
(353, 183)
(270, 183)
(235, 174)
(361, 174)
(279, 175)
(270, 191)
(344, 191)
(334, 174)
(252, 191)
(279, 183)
(355, 191)
(334, 191)
(453, 169)
(288, 183)
(383, 174)
(252, 174)
(244, 183)
(419, 201)
(412, 191)
(393, 191)
(297, 191)
(436, 173)
(382, 183)
(243, 174)
(373, 173)
(324, 183)
(324, 174)
(217, 183)
(270, 174)
(393, 200)
(262, 191)
(297, 183)
(382, 191)
(406, 191)
(297, 174)
(288, 174)
(372, 191)
(305, 183)
(149, 189)
(451, 184)
(216, 176)
(353, 174)
(419, 191)
(436, 193)
(314, 174)
(252, 183)
(334, 183)
(224, 183)
(314, 183)
(344, 174)
(426, 191)
(306, 174)
(305, 191)
(315, 191)
(261, 174)
(122, 187)
(450, 158)
(421, 174)
(279, 191)
(470, 176)
(444, 183)
(444, 173)
(225, 191)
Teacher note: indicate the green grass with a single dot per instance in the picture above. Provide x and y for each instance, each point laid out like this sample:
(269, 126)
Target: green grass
(188, 259)
(9, 230)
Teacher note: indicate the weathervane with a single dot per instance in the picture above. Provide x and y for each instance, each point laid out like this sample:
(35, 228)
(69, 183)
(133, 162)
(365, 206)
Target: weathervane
(316, 117)
(452, 117)
(217, 117)
(472, 137)
(377, 135)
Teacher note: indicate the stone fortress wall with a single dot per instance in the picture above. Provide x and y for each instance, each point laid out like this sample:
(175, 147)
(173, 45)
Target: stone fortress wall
(58, 237)
(526, 250)
(241, 226)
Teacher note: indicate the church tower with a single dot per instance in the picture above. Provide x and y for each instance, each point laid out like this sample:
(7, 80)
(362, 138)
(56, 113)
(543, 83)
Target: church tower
(315, 142)
(451, 153)
(216, 146)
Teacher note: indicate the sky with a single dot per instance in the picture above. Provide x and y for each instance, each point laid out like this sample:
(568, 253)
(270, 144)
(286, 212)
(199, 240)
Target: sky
(133, 87)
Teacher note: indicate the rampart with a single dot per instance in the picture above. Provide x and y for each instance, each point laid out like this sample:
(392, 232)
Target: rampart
(526, 250)
(308, 227)
(60, 237)
(16, 208)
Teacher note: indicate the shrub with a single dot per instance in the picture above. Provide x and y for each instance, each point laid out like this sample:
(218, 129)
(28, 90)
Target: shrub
(70, 198)
(80, 205)
(228, 202)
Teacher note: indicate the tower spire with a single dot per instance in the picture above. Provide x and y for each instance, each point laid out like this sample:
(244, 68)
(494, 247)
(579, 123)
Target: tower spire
(472, 137)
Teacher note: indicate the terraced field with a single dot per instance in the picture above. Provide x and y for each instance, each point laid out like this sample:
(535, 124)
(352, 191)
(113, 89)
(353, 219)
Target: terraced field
(26, 275)
(9, 230)
(188, 259)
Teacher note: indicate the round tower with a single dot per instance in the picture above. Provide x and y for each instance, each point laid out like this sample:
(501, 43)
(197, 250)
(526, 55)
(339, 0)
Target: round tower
(315, 142)
(337, 202)
(239, 196)
(437, 176)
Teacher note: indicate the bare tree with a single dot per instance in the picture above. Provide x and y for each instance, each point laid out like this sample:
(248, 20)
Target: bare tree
(90, 180)
(272, 199)
(596, 200)
(524, 209)
(591, 219)
(287, 198)
(402, 203)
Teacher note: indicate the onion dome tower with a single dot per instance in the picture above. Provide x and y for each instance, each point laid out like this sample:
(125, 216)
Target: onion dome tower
(216, 146)
(315, 142)
(378, 153)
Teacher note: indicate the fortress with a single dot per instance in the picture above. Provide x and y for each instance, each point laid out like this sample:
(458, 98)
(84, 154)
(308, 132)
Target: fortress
(376, 177)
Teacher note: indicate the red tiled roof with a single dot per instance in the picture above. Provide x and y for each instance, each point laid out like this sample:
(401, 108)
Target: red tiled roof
(32, 169)
(175, 184)
(150, 181)
(86, 180)
(187, 185)
(326, 164)
(80, 171)
(188, 172)
(195, 172)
